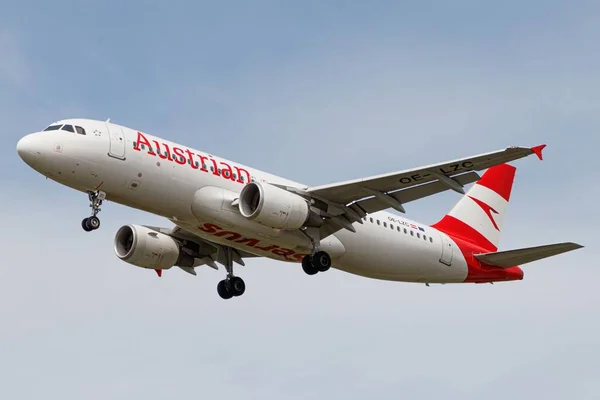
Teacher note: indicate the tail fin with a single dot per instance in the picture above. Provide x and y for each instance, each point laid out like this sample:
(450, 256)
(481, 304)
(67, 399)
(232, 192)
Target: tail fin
(479, 216)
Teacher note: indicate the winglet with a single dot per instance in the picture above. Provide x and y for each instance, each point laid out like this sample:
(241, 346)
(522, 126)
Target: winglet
(538, 150)
(158, 272)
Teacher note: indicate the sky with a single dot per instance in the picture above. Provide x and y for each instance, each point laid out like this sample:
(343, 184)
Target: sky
(317, 93)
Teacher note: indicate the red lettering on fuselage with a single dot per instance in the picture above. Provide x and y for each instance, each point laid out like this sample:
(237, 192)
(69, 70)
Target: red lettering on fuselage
(239, 174)
(180, 159)
(159, 151)
(235, 237)
(225, 171)
(142, 140)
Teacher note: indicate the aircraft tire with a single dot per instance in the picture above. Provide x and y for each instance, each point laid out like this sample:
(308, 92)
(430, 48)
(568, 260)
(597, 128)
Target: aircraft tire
(222, 290)
(93, 223)
(321, 261)
(84, 225)
(307, 266)
(237, 286)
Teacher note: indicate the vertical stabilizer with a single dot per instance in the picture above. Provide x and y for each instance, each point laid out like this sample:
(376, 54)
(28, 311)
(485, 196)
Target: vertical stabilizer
(478, 217)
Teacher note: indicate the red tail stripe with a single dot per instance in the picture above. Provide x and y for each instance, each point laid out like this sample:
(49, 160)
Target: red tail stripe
(457, 229)
(499, 179)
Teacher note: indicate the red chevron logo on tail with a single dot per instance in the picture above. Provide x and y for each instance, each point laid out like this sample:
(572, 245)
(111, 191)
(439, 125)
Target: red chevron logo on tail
(487, 210)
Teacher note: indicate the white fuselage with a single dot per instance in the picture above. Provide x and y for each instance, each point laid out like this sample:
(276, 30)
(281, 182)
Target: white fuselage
(194, 191)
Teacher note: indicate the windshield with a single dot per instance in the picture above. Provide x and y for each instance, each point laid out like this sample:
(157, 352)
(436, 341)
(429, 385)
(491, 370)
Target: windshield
(67, 127)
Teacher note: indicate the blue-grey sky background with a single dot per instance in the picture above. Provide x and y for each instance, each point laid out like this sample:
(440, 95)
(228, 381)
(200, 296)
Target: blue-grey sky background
(316, 92)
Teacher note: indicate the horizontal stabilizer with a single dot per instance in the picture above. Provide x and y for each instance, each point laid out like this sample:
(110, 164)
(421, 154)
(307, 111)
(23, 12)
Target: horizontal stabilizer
(511, 258)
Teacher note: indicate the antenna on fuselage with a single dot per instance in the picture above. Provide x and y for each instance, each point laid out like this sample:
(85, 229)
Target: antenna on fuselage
(108, 120)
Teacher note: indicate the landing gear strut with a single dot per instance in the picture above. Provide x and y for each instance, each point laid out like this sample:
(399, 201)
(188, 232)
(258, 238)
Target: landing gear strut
(92, 223)
(231, 286)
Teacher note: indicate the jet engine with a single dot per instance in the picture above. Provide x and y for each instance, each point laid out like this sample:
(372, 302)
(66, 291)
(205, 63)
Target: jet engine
(147, 248)
(274, 207)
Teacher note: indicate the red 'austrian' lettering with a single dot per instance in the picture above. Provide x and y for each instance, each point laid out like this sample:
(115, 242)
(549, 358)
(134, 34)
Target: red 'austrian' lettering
(195, 161)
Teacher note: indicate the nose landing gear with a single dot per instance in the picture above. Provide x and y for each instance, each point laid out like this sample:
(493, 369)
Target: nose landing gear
(92, 223)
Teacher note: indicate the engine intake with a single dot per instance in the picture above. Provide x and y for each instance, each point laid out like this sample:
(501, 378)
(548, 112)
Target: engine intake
(147, 248)
(274, 207)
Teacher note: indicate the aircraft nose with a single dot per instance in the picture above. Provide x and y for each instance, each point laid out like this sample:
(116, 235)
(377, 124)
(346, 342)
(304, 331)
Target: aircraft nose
(27, 148)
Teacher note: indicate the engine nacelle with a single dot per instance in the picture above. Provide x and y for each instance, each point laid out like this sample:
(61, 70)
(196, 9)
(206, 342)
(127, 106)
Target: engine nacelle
(147, 248)
(274, 207)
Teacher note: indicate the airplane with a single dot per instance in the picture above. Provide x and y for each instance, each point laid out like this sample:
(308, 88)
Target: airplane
(225, 212)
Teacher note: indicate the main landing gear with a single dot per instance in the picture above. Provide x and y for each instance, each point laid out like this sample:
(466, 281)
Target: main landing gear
(92, 223)
(231, 286)
(318, 262)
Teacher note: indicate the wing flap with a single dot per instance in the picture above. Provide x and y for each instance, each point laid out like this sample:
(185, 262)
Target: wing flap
(511, 258)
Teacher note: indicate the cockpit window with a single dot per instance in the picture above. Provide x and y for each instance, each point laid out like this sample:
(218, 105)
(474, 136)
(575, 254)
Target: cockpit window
(68, 128)
(53, 128)
(80, 130)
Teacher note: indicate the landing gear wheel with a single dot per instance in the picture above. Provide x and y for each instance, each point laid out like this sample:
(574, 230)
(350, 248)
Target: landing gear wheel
(93, 222)
(308, 267)
(237, 286)
(84, 225)
(90, 224)
(223, 290)
(321, 261)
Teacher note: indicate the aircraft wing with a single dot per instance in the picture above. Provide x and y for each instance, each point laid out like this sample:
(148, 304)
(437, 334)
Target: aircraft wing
(445, 173)
(348, 202)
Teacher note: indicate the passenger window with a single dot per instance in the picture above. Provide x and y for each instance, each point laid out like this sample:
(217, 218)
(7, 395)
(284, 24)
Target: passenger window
(53, 128)
(80, 130)
(419, 235)
(430, 239)
(425, 237)
(371, 220)
(398, 229)
(392, 226)
(385, 224)
(68, 128)
(378, 223)
(412, 233)
(405, 231)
